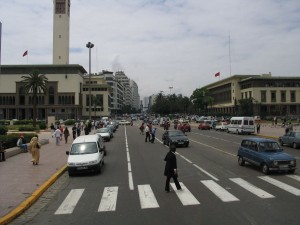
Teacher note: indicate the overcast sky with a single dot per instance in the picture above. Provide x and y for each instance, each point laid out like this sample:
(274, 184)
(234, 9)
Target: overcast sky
(162, 43)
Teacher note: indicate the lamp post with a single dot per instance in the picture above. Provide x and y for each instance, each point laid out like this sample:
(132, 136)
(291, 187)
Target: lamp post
(90, 45)
(170, 89)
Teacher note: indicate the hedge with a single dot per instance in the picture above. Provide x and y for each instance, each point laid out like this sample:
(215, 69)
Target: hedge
(10, 140)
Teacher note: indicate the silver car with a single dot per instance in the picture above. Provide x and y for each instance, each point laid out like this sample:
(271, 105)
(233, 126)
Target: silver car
(105, 133)
(292, 139)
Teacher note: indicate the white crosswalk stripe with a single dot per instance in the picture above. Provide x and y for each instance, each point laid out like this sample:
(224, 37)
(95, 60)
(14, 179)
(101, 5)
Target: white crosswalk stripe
(147, 198)
(251, 188)
(281, 185)
(70, 202)
(109, 199)
(296, 177)
(185, 196)
(220, 192)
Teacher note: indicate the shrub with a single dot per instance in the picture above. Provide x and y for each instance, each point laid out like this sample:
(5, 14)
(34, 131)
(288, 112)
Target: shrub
(3, 130)
(26, 128)
(70, 122)
(10, 141)
(43, 126)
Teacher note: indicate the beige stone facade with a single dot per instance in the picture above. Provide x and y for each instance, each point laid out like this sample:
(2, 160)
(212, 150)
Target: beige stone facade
(271, 95)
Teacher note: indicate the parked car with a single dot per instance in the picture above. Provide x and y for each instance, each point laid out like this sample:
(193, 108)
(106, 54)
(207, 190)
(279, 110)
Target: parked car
(86, 154)
(266, 154)
(222, 126)
(105, 133)
(204, 126)
(124, 122)
(176, 137)
(292, 139)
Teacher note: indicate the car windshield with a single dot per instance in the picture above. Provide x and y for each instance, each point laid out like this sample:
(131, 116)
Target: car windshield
(297, 134)
(175, 133)
(268, 146)
(84, 148)
(103, 130)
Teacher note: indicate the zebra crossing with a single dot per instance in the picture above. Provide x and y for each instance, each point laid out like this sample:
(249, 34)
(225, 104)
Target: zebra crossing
(108, 201)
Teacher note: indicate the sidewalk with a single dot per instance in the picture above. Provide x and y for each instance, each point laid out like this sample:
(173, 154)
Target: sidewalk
(21, 183)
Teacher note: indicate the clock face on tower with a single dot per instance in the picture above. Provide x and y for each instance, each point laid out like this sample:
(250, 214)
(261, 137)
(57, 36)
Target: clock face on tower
(60, 6)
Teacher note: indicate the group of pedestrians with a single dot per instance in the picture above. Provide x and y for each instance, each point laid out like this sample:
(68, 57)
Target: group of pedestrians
(58, 133)
(149, 131)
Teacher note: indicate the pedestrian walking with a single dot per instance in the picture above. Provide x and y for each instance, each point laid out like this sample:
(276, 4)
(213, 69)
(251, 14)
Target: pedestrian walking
(66, 134)
(147, 131)
(258, 128)
(57, 134)
(78, 130)
(52, 127)
(74, 131)
(35, 150)
(61, 132)
(142, 128)
(171, 169)
(153, 134)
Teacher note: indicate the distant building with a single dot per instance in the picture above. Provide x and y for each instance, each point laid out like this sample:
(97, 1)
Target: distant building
(270, 95)
(125, 81)
(135, 94)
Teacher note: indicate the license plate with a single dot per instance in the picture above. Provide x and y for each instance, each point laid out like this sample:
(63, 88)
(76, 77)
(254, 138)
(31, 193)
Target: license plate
(82, 168)
(283, 166)
(180, 143)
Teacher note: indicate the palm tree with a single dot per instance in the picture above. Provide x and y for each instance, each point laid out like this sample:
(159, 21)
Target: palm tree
(33, 84)
(97, 101)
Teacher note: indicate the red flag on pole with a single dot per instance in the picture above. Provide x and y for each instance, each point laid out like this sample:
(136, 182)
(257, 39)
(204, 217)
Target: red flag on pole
(25, 53)
(217, 74)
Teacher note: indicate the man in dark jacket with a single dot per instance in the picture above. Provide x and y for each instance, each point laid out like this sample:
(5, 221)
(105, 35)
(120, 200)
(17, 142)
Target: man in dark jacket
(171, 169)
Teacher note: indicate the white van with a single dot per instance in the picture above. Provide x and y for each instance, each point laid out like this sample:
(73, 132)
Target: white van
(241, 125)
(86, 154)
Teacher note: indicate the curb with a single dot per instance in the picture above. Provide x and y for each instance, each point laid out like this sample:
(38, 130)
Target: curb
(32, 199)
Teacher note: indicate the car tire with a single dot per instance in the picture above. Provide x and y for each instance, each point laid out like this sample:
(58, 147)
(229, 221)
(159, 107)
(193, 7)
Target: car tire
(265, 168)
(70, 173)
(187, 145)
(241, 161)
(291, 171)
(99, 168)
(295, 145)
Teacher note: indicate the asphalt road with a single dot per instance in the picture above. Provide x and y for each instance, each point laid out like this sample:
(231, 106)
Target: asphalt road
(130, 189)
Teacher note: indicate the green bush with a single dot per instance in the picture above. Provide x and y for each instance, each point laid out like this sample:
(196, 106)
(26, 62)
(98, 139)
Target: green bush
(4, 122)
(10, 140)
(26, 128)
(70, 122)
(3, 130)
(43, 126)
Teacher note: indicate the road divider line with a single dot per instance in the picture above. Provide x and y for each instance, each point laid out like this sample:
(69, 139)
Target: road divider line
(207, 173)
(68, 205)
(130, 178)
(217, 149)
(147, 198)
(109, 199)
(184, 195)
(219, 191)
(251, 188)
(281, 185)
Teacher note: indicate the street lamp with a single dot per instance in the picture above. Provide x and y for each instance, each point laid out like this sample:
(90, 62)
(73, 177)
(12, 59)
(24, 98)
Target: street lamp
(170, 89)
(89, 45)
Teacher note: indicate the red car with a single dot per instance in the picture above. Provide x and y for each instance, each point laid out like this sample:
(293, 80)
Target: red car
(185, 127)
(204, 126)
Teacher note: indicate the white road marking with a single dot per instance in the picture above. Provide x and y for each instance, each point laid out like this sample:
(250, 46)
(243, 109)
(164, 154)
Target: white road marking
(147, 198)
(128, 157)
(185, 196)
(253, 189)
(217, 149)
(130, 179)
(220, 192)
(109, 199)
(207, 173)
(129, 167)
(70, 202)
(296, 177)
(189, 161)
(281, 185)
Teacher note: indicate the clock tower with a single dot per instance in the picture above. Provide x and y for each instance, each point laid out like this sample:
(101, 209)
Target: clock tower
(61, 31)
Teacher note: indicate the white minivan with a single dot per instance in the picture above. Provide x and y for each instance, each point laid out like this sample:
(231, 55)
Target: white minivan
(241, 125)
(86, 154)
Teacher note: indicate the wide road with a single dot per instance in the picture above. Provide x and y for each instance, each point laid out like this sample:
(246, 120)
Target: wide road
(130, 189)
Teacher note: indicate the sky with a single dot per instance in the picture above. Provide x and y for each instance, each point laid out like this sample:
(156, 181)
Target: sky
(168, 46)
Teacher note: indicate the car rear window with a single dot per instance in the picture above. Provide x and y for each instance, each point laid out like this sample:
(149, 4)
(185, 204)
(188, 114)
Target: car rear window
(84, 148)
(268, 146)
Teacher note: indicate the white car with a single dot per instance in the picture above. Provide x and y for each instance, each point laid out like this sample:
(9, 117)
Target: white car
(86, 154)
(222, 126)
(124, 122)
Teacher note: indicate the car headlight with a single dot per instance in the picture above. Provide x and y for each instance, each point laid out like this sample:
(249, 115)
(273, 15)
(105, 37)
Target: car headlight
(293, 162)
(93, 162)
(275, 163)
(71, 164)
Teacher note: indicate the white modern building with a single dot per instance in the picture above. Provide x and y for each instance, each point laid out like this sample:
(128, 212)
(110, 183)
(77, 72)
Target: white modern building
(135, 94)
